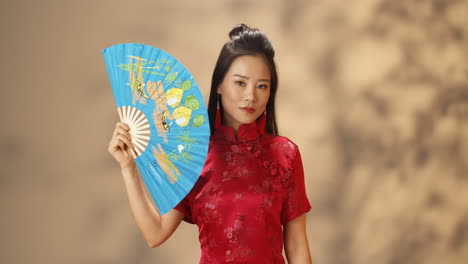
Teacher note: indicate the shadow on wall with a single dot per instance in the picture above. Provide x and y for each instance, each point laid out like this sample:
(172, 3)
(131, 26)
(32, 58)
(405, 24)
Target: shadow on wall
(399, 83)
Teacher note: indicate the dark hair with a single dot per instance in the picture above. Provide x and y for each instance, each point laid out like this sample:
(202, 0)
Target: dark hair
(244, 41)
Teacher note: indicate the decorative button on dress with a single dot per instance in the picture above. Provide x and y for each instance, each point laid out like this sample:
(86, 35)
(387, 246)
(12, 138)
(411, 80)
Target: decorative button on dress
(248, 188)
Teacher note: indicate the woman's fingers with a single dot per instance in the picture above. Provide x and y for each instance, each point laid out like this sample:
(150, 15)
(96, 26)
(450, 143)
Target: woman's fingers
(125, 140)
(122, 124)
(115, 145)
(121, 131)
(120, 127)
(120, 142)
(121, 146)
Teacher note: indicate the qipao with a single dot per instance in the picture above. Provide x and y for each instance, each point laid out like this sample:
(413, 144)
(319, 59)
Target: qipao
(249, 187)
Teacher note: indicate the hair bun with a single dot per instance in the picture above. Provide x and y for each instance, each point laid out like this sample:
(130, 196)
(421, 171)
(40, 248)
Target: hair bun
(238, 30)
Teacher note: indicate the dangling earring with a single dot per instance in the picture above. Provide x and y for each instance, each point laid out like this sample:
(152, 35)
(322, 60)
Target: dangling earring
(261, 122)
(218, 121)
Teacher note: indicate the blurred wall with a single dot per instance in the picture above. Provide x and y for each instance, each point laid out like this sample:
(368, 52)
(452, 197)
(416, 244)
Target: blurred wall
(374, 92)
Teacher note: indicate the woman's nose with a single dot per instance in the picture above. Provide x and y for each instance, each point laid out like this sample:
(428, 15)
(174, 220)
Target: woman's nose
(249, 94)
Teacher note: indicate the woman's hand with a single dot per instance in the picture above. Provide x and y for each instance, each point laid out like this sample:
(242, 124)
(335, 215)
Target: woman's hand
(121, 147)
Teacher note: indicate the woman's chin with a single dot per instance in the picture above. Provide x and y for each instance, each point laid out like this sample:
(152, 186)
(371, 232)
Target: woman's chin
(242, 119)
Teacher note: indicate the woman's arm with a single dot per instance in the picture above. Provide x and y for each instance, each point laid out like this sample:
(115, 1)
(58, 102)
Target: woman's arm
(296, 245)
(155, 228)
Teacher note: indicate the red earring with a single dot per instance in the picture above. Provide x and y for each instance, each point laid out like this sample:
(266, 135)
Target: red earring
(261, 123)
(218, 120)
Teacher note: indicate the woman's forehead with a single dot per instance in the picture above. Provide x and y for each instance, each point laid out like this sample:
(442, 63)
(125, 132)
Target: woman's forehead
(249, 67)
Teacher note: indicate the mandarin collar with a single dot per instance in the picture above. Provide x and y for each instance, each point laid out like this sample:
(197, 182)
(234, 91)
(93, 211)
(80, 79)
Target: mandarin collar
(246, 133)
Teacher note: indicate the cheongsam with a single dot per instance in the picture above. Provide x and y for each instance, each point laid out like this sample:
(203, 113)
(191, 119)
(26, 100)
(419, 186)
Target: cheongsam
(251, 185)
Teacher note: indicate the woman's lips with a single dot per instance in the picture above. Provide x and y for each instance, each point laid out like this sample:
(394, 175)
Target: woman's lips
(248, 109)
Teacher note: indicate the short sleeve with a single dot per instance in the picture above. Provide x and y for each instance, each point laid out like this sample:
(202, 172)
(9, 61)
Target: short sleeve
(184, 208)
(295, 202)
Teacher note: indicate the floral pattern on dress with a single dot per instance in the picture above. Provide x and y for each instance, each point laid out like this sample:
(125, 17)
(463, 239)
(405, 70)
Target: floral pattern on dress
(250, 186)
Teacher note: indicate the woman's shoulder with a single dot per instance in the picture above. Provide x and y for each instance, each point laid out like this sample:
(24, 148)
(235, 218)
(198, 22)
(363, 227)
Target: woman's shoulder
(280, 140)
(281, 156)
(282, 145)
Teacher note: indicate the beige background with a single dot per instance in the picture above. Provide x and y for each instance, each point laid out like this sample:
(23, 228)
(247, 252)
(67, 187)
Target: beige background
(374, 93)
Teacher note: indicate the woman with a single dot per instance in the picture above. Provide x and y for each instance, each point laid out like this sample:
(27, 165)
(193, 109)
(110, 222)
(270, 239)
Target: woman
(250, 197)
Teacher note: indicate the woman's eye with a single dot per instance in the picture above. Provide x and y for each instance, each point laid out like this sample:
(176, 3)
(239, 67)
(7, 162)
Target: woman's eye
(240, 83)
(263, 86)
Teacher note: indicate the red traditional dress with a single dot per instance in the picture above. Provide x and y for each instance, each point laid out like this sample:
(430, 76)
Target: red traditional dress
(248, 188)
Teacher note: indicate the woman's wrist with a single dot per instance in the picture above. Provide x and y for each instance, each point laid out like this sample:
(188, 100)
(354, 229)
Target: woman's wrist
(130, 170)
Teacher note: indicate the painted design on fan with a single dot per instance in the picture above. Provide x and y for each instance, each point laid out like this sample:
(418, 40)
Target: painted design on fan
(136, 80)
(182, 152)
(164, 123)
(173, 97)
(180, 148)
(161, 113)
(145, 69)
(137, 83)
(154, 171)
(166, 164)
(183, 114)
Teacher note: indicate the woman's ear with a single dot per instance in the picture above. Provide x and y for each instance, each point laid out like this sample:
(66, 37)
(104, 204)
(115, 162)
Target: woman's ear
(218, 91)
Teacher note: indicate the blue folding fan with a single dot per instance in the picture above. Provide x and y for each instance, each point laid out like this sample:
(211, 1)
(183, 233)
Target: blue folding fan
(160, 101)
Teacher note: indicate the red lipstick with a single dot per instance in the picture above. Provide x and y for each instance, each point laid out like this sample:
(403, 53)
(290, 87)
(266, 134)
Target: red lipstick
(248, 109)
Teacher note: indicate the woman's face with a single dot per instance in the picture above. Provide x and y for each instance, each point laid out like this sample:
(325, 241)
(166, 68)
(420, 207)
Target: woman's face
(245, 90)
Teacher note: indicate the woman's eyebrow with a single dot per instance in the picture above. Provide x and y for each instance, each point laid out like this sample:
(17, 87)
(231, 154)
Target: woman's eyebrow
(245, 77)
(242, 76)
